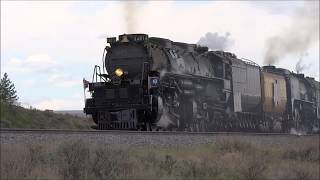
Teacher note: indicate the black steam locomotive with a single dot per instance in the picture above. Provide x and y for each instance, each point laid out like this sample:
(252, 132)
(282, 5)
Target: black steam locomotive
(150, 83)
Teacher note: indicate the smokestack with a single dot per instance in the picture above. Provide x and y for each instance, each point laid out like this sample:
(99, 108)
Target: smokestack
(214, 41)
(298, 37)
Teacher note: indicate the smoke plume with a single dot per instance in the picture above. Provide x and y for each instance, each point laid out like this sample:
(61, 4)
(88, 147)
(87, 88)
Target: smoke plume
(298, 37)
(131, 10)
(214, 41)
(300, 66)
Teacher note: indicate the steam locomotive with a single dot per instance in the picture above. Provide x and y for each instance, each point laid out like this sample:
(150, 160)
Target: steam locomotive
(151, 83)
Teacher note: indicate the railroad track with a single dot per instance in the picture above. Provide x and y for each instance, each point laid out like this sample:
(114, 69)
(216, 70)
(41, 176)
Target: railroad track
(142, 138)
(73, 131)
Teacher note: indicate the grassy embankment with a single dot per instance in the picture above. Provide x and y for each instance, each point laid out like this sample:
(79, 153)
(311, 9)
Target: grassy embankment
(19, 117)
(229, 158)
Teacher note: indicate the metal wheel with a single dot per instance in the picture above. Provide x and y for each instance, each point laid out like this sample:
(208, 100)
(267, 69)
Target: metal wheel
(147, 125)
(186, 115)
(297, 120)
(203, 123)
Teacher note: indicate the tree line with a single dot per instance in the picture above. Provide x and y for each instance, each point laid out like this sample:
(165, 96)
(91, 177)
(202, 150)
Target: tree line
(8, 93)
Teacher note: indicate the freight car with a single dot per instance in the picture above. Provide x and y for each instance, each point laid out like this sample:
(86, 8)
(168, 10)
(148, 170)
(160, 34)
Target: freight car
(150, 83)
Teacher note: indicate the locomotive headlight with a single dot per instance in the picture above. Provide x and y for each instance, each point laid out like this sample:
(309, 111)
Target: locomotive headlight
(118, 72)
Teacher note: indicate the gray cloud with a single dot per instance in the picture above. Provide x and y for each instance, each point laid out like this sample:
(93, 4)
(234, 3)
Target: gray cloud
(214, 41)
(36, 63)
(303, 32)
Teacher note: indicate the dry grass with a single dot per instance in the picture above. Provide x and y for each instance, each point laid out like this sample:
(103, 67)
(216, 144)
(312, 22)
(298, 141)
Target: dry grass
(18, 117)
(229, 158)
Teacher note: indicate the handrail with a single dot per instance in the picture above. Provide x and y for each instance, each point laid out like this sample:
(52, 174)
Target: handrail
(103, 60)
(96, 74)
(250, 62)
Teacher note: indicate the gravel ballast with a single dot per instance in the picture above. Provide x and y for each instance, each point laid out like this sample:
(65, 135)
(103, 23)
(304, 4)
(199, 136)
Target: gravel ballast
(141, 138)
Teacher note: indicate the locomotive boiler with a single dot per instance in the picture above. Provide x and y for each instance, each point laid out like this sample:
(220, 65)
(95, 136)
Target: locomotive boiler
(151, 83)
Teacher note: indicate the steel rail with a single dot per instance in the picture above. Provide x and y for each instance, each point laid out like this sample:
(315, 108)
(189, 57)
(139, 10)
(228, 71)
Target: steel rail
(73, 131)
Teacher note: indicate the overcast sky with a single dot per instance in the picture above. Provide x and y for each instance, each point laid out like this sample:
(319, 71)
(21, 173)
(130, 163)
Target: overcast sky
(48, 47)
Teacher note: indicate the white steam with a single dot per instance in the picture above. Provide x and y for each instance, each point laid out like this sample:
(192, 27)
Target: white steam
(295, 132)
(165, 121)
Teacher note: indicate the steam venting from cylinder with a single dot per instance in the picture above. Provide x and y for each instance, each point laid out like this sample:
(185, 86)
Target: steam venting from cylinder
(214, 41)
(131, 11)
(298, 37)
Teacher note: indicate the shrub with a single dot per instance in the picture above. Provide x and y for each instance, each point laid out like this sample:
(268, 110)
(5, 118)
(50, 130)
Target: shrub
(110, 163)
(168, 164)
(17, 163)
(35, 155)
(309, 153)
(233, 145)
(225, 160)
(253, 168)
(74, 158)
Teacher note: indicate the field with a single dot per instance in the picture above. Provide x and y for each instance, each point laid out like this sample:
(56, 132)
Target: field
(19, 117)
(124, 156)
(227, 158)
